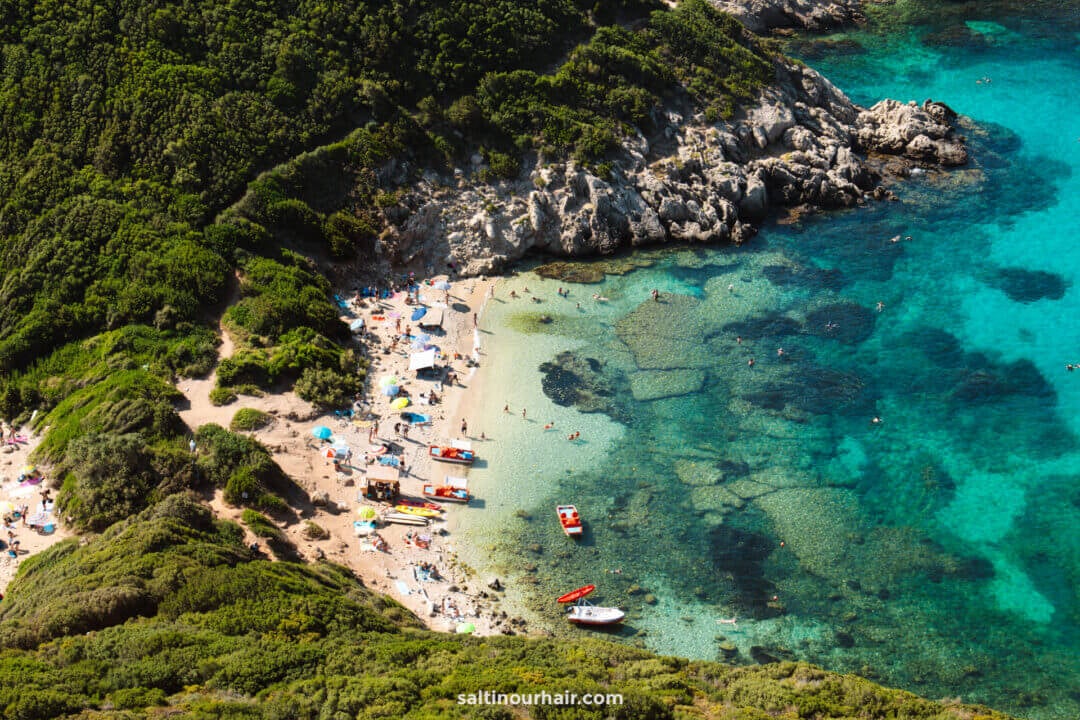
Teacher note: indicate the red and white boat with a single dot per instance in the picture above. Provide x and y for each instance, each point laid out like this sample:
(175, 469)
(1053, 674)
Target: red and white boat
(458, 451)
(453, 489)
(585, 614)
(571, 521)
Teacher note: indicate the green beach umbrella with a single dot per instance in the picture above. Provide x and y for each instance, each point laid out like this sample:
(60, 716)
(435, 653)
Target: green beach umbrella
(465, 629)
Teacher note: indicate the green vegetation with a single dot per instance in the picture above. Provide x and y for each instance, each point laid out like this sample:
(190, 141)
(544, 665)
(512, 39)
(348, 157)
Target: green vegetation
(169, 613)
(249, 420)
(243, 467)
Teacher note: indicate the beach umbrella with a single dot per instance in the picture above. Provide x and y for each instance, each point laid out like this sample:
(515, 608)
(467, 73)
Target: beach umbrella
(442, 285)
(465, 629)
(366, 512)
(322, 432)
(388, 380)
(357, 324)
(6, 507)
(29, 470)
(390, 390)
(399, 403)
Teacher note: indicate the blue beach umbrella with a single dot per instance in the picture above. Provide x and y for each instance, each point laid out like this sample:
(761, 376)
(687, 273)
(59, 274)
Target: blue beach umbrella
(322, 432)
(390, 390)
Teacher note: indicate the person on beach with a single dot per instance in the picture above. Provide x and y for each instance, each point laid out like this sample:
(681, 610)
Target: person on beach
(405, 431)
(656, 295)
(549, 426)
(880, 306)
(750, 362)
(522, 413)
(475, 322)
(738, 339)
(513, 294)
(464, 427)
(506, 408)
(397, 428)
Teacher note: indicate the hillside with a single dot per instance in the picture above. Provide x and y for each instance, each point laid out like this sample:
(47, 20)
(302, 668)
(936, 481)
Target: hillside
(172, 610)
(168, 169)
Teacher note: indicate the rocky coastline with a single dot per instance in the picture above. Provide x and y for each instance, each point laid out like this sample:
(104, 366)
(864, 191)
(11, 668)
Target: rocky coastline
(803, 145)
(763, 15)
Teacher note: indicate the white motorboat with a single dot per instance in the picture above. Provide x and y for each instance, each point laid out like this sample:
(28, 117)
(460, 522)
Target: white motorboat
(586, 614)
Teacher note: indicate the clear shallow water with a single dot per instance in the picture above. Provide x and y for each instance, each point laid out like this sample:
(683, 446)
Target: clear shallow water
(937, 550)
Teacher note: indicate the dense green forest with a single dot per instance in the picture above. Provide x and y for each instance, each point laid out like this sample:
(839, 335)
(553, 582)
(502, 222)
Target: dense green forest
(164, 166)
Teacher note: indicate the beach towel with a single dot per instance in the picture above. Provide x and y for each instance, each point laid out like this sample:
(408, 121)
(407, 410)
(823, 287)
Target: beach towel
(389, 460)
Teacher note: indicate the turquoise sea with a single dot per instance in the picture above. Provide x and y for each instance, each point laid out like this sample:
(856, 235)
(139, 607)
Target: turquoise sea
(937, 549)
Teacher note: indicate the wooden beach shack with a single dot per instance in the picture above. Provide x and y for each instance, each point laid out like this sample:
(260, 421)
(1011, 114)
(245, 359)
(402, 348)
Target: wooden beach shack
(382, 483)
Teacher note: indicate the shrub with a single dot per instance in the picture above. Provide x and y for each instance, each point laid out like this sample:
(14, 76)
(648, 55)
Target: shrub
(260, 525)
(242, 487)
(328, 388)
(249, 419)
(222, 396)
(314, 531)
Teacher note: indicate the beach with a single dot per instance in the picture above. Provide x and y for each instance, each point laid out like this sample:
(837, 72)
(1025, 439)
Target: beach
(14, 461)
(335, 494)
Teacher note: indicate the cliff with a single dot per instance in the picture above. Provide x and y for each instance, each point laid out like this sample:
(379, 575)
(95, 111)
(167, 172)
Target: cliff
(803, 143)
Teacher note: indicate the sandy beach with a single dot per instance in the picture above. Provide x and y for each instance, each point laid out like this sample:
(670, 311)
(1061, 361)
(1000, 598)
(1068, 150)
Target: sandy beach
(335, 495)
(14, 459)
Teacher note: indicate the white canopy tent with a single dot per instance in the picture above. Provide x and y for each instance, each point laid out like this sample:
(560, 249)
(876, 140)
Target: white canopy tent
(421, 360)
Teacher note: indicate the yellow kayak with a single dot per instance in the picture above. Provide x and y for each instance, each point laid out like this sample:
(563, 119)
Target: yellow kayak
(418, 511)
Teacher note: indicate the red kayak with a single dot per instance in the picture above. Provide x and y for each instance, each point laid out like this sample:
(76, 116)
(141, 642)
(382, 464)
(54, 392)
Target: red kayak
(575, 595)
(420, 504)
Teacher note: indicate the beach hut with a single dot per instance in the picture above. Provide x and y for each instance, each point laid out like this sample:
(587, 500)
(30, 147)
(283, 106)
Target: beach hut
(433, 319)
(422, 361)
(382, 483)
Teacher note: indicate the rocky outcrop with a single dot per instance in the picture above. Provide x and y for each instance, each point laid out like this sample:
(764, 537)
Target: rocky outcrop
(920, 133)
(804, 143)
(762, 15)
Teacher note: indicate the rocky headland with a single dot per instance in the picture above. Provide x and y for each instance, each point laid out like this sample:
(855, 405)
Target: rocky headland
(762, 15)
(803, 144)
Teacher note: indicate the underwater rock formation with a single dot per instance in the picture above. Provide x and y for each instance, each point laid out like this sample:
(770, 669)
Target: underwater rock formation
(1029, 285)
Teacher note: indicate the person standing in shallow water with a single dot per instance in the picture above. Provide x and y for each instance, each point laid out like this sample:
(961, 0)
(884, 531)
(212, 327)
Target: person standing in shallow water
(656, 295)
